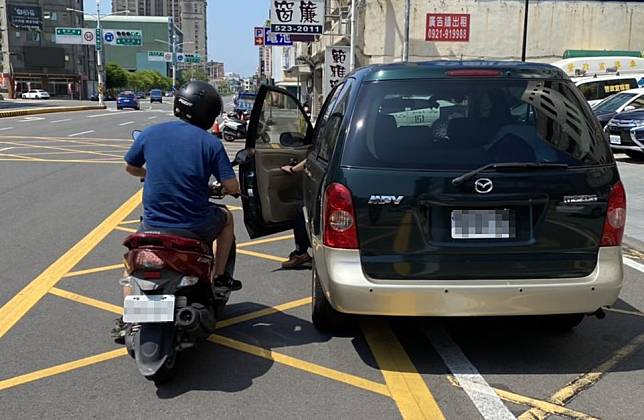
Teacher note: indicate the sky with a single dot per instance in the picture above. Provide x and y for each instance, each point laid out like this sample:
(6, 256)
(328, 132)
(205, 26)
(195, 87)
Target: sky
(230, 31)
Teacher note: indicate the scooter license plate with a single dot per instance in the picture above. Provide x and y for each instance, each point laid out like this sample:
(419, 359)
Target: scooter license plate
(143, 308)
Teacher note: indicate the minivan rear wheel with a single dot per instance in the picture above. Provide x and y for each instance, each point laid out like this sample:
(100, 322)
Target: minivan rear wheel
(562, 322)
(635, 155)
(325, 317)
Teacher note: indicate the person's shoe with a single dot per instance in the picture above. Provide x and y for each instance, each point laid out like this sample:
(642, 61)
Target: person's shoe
(225, 280)
(119, 331)
(296, 261)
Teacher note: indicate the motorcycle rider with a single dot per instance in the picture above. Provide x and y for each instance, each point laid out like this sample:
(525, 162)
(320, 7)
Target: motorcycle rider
(179, 158)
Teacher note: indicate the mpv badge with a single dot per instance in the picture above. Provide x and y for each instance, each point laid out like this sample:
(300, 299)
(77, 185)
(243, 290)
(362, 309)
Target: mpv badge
(386, 199)
(483, 185)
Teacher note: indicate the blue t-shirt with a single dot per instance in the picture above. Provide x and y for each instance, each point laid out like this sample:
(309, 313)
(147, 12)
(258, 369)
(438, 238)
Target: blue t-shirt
(179, 159)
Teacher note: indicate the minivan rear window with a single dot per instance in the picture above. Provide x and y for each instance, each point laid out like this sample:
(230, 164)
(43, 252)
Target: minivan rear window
(464, 124)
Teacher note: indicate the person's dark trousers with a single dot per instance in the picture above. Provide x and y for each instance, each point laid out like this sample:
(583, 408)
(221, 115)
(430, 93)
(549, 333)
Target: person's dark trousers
(302, 243)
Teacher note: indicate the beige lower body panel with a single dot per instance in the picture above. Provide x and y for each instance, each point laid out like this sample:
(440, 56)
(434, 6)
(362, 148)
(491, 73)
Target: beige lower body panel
(350, 291)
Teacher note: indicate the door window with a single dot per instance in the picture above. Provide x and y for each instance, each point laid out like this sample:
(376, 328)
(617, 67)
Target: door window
(590, 91)
(324, 117)
(281, 123)
(329, 137)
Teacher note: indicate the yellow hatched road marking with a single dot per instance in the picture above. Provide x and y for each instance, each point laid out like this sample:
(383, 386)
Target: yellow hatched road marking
(325, 372)
(21, 303)
(625, 312)
(585, 381)
(407, 387)
(124, 229)
(64, 149)
(263, 312)
(94, 270)
(18, 157)
(265, 241)
(86, 300)
(261, 255)
(130, 222)
(53, 139)
(532, 402)
(58, 369)
(34, 160)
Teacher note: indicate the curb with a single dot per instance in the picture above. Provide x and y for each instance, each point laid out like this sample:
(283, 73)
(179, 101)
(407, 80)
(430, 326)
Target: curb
(35, 111)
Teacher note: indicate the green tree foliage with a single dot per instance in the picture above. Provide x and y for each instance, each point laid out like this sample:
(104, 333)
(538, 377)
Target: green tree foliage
(148, 79)
(117, 76)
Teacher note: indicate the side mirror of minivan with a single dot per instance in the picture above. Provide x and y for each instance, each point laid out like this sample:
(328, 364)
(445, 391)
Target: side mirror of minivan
(629, 108)
(243, 156)
(292, 139)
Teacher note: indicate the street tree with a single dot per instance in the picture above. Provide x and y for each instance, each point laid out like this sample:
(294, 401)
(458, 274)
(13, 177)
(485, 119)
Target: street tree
(117, 76)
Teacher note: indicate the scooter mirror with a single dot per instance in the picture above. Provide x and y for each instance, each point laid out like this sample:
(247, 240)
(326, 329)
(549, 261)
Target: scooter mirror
(136, 134)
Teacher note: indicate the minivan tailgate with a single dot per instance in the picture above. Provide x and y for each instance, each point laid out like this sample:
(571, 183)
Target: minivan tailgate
(548, 225)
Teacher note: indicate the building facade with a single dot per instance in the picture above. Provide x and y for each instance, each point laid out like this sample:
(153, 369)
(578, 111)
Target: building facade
(495, 32)
(29, 55)
(215, 70)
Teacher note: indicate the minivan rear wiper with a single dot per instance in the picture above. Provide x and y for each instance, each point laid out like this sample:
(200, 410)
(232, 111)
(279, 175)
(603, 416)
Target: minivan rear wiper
(508, 165)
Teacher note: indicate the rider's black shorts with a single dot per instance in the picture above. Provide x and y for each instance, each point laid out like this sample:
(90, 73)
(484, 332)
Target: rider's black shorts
(208, 231)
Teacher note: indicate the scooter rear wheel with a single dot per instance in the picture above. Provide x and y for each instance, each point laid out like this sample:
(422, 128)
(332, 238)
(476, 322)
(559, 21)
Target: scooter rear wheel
(229, 137)
(167, 371)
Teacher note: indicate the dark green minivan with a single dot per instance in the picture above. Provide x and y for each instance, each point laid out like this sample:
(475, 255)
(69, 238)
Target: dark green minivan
(444, 188)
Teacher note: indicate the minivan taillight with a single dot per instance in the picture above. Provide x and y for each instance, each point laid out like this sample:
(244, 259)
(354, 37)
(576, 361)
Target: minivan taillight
(339, 218)
(615, 217)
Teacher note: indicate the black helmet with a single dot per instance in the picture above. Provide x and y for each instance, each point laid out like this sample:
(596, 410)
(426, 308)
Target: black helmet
(198, 103)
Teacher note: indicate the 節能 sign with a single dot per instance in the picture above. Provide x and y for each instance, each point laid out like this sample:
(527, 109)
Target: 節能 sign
(336, 67)
(447, 27)
(26, 17)
(297, 16)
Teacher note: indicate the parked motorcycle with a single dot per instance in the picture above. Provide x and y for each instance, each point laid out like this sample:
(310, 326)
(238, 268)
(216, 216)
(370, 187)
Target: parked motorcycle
(234, 126)
(174, 303)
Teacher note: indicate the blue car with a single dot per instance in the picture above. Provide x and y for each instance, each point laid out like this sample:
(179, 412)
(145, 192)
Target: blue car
(127, 100)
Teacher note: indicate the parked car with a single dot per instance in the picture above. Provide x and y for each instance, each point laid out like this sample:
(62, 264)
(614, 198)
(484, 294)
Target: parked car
(484, 211)
(156, 95)
(626, 133)
(36, 94)
(623, 101)
(127, 100)
(596, 89)
(140, 95)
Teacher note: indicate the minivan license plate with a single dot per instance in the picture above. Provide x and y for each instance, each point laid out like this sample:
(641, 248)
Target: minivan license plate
(153, 308)
(483, 224)
(615, 139)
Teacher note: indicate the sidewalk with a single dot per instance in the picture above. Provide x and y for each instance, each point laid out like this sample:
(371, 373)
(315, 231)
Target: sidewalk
(19, 107)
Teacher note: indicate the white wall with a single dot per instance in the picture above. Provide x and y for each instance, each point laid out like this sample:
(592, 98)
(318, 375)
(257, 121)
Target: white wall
(496, 28)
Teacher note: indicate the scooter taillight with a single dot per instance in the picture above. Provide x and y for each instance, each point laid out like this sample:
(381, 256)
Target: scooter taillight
(148, 260)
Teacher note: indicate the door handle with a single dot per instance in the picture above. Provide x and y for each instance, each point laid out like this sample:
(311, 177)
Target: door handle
(308, 172)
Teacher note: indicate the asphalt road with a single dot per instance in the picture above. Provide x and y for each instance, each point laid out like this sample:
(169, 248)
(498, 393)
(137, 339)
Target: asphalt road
(66, 206)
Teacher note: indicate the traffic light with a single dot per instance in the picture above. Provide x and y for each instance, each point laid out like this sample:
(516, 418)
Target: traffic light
(133, 38)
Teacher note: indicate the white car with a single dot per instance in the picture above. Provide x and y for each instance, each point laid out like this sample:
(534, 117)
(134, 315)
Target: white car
(36, 94)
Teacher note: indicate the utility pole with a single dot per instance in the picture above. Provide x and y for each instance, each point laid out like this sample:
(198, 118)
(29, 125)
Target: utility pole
(352, 49)
(525, 30)
(405, 54)
(99, 54)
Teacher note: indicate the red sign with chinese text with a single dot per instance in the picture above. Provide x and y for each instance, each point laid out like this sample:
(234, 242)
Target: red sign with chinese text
(447, 27)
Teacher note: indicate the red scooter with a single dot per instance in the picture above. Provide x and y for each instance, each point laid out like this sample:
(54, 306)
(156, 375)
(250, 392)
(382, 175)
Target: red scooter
(174, 304)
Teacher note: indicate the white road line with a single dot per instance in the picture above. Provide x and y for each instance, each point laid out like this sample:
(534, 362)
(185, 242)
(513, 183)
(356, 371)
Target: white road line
(102, 115)
(81, 133)
(481, 394)
(4, 149)
(59, 121)
(6, 128)
(635, 265)
(152, 118)
(127, 123)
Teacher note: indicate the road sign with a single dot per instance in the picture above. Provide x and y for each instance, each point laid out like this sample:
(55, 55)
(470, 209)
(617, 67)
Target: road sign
(452, 27)
(89, 37)
(108, 37)
(272, 39)
(125, 37)
(181, 58)
(259, 36)
(303, 17)
(69, 36)
(156, 56)
(167, 57)
(99, 40)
